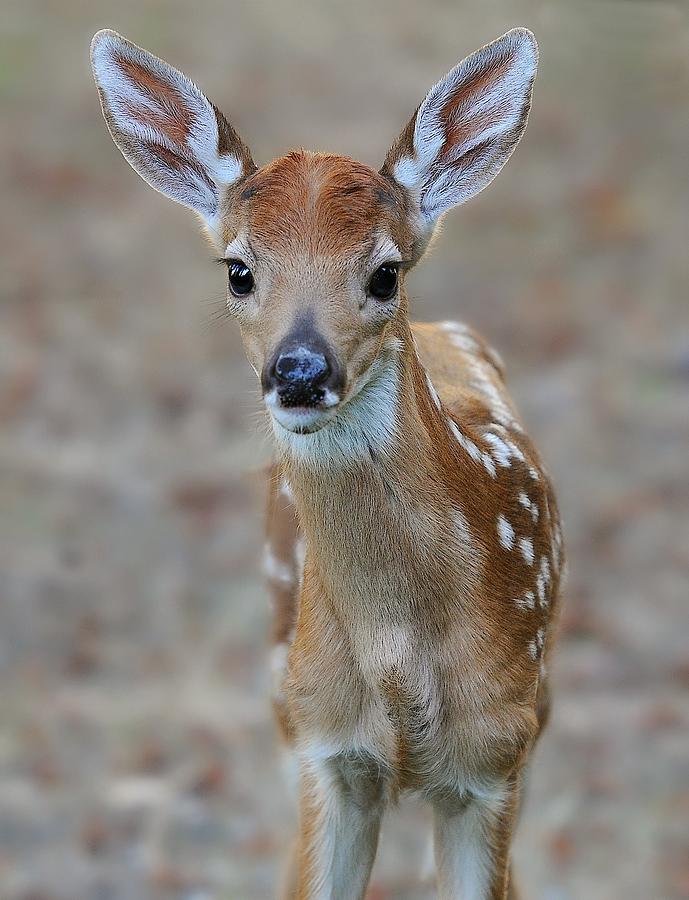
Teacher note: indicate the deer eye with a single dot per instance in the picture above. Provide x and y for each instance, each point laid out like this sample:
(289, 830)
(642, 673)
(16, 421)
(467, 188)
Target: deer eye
(383, 283)
(241, 280)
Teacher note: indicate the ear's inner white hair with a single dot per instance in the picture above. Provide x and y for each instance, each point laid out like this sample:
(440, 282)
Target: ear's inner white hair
(468, 125)
(163, 124)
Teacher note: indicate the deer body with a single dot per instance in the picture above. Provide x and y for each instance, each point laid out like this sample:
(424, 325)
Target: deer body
(402, 674)
(414, 549)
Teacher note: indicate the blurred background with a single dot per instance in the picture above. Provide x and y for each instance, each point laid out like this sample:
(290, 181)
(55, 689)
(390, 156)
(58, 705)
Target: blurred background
(137, 753)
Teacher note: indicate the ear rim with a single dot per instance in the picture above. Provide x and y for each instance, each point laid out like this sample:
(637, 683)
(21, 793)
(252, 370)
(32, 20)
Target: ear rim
(405, 166)
(232, 162)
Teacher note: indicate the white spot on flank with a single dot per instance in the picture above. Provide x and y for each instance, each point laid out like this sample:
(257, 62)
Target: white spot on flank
(451, 325)
(432, 391)
(545, 569)
(483, 379)
(528, 601)
(556, 546)
(276, 570)
(496, 359)
(533, 650)
(500, 449)
(505, 533)
(533, 472)
(467, 550)
(461, 525)
(515, 451)
(464, 441)
(526, 546)
(489, 465)
(464, 342)
(543, 581)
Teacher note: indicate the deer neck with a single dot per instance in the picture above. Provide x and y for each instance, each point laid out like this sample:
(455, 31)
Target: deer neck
(370, 491)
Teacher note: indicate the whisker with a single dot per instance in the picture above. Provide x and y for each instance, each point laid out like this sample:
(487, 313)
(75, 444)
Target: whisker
(221, 298)
(220, 311)
(218, 316)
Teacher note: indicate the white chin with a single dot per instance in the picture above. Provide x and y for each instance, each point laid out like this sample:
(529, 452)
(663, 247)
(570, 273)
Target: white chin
(300, 419)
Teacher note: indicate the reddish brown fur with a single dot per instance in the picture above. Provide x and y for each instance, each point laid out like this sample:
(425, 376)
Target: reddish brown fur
(322, 203)
(459, 127)
(174, 126)
(149, 82)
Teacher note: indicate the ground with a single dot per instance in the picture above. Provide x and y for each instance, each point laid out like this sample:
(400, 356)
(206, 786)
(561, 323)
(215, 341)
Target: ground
(138, 760)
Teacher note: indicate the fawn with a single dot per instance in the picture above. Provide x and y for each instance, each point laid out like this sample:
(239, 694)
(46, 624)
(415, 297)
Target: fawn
(414, 547)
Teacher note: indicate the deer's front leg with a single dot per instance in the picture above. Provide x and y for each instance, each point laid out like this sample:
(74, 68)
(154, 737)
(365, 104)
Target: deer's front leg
(341, 803)
(472, 844)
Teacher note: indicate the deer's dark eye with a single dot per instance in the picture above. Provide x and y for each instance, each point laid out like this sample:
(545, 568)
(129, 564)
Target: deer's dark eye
(240, 278)
(383, 283)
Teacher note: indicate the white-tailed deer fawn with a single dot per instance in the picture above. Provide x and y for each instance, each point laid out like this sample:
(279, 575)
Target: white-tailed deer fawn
(414, 548)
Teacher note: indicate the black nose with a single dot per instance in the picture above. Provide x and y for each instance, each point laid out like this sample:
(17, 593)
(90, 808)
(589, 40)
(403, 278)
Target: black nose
(300, 372)
(301, 368)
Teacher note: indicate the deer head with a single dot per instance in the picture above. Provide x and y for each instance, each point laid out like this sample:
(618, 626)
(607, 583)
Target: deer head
(317, 246)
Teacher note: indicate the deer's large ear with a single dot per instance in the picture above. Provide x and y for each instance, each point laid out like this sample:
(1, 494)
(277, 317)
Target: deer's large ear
(166, 128)
(467, 126)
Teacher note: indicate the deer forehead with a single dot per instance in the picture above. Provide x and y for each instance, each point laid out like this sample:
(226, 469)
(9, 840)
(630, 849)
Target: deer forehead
(318, 205)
